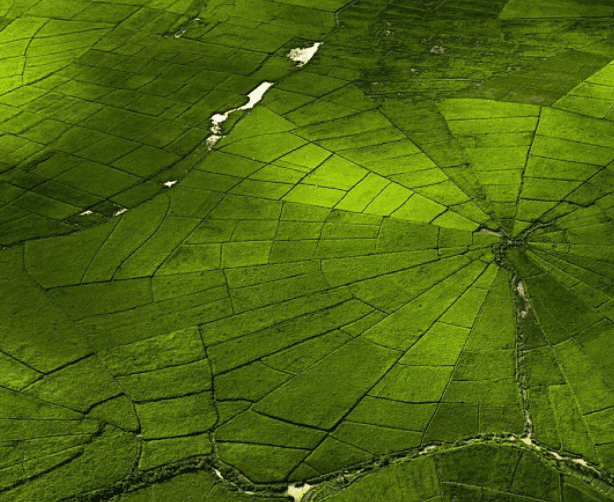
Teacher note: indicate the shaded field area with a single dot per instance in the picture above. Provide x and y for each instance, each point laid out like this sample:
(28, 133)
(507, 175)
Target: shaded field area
(364, 245)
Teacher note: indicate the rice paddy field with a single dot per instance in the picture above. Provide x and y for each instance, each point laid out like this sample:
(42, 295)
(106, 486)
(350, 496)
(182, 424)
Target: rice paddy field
(317, 250)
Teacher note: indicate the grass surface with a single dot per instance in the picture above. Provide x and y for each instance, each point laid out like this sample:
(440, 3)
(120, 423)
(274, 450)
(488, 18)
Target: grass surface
(406, 244)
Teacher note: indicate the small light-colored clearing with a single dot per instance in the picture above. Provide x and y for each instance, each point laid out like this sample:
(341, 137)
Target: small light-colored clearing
(86, 213)
(297, 492)
(218, 473)
(120, 211)
(527, 439)
(489, 232)
(212, 140)
(428, 449)
(180, 33)
(170, 183)
(219, 118)
(521, 290)
(583, 463)
(256, 95)
(523, 294)
(302, 56)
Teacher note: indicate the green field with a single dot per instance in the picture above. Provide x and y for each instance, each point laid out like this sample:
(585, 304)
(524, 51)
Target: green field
(389, 275)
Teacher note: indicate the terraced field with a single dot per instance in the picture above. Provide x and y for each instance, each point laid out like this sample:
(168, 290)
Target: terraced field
(317, 250)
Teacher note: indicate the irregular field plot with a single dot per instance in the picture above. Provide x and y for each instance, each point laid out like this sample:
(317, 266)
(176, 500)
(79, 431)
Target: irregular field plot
(378, 278)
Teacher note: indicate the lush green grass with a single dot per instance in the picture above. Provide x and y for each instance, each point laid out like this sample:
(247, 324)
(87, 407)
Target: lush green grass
(406, 243)
(467, 474)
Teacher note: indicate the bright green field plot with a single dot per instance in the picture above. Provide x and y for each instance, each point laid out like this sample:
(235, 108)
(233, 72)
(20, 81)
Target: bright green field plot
(408, 243)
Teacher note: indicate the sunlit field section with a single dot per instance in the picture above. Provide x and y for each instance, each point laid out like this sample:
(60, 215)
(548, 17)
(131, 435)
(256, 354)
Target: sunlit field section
(306, 250)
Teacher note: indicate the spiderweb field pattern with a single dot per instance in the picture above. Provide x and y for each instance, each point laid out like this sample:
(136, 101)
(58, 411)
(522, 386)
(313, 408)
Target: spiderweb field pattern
(390, 276)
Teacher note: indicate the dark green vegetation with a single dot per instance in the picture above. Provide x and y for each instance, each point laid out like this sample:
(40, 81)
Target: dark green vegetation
(468, 474)
(475, 473)
(407, 243)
